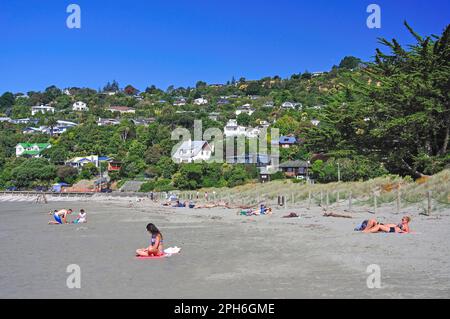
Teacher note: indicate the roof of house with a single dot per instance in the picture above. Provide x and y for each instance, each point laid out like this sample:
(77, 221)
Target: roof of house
(294, 164)
(121, 108)
(39, 145)
(192, 148)
(288, 140)
(90, 158)
(42, 107)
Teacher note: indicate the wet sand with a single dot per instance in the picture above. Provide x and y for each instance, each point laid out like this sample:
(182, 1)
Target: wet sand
(223, 255)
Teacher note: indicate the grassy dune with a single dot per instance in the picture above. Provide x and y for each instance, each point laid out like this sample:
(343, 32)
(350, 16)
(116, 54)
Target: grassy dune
(384, 188)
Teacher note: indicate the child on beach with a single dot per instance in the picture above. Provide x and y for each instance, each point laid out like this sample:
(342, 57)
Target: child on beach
(82, 218)
(60, 216)
(156, 243)
(375, 227)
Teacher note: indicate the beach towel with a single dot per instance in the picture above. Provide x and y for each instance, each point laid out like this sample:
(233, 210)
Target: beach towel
(167, 253)
(172, 250)
(245, 213)
(152, 257)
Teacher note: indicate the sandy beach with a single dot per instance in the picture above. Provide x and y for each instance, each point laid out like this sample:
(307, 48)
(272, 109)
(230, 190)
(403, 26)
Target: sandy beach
(223, 255)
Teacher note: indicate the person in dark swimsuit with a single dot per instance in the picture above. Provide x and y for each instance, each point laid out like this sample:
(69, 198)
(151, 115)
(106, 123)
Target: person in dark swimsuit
(156, 243)
(374, 227)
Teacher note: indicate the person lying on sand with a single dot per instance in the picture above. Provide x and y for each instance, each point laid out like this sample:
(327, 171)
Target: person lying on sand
(179, 204)
(82, 218)
(156, 243)
(375, 227)
(262, 211)
(60, 216)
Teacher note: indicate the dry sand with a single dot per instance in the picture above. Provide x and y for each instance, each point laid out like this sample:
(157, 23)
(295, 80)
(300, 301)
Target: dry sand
(223, 255)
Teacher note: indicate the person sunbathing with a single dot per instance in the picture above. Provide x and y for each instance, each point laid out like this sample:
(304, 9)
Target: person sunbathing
(375, 227)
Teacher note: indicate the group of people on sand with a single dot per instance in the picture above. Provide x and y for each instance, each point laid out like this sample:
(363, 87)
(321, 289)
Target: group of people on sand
(61, 217)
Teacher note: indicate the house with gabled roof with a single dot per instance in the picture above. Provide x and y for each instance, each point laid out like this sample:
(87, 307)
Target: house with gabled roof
(79, 162)
(80, 107)
(193, 151)
(31, 149)
(296, 169)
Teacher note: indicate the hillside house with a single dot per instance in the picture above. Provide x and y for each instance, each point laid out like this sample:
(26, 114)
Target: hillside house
(42, 109)
(31, 149)
(193, 151)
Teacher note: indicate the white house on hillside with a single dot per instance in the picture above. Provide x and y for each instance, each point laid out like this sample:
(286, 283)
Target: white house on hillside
(79, 162)
(245, 109)
(31, 149)
(43, 109)
(107, 122)
(288, 106)
(200, 101)
(80, 107)
(122, 109)
(193, 151)
(232, 129)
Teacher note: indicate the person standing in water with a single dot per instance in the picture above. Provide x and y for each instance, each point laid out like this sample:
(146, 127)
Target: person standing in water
(156, 243)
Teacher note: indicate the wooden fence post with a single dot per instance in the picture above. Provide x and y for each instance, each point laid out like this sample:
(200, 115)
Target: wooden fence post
(309, 199)
(429, 207)
(321, 198)
(350, 201)
(375, 204)
(398, 199)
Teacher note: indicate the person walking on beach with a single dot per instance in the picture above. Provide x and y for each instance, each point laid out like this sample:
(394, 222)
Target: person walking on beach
(156, 243)
(206, 196)
(198, 194)
(60, 216)
(375, 227)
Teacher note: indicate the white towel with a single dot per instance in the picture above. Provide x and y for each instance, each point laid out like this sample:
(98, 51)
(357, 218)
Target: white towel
(172, 250)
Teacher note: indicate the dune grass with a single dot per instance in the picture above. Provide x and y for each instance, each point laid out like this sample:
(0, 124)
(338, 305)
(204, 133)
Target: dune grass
(384, 188)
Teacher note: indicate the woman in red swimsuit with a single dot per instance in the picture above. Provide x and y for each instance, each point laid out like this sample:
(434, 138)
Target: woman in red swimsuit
(156, 244)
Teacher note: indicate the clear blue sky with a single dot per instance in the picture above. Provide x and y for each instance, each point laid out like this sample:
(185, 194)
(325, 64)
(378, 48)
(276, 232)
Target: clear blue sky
(144, 42)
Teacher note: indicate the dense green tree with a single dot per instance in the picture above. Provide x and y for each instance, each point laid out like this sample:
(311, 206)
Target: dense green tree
(6, 102)
(67, 174)
(350, 63)
(33, 170)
